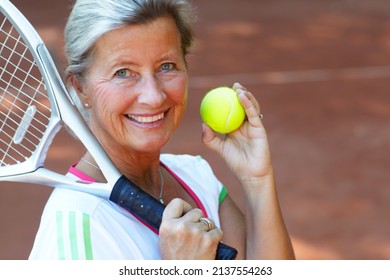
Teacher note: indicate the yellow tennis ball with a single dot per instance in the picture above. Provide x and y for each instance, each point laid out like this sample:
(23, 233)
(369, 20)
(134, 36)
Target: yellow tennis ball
(221, 110)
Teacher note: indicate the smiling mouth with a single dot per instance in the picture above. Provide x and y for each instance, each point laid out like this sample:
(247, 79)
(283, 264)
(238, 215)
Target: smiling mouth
(148, 119)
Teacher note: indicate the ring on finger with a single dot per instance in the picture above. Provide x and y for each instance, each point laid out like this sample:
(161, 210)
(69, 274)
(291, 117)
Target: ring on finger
(208, 222)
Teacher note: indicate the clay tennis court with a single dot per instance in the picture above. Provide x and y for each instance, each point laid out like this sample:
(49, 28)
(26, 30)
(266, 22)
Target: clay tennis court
(321, 70)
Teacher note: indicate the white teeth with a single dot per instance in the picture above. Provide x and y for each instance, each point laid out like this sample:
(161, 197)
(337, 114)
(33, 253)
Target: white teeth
(150, 119)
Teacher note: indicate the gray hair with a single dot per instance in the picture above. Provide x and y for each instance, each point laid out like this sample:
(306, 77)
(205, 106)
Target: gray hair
(90, 19)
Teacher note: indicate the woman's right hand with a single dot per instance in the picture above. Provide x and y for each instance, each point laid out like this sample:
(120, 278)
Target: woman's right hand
(183, 236)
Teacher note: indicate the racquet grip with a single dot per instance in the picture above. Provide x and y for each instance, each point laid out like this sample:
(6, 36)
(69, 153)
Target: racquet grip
(145, 207)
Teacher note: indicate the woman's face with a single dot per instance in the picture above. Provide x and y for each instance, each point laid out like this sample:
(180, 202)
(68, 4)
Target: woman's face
(137, 86)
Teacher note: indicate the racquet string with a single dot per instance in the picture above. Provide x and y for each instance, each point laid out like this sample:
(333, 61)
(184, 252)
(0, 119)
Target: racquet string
(24, 104)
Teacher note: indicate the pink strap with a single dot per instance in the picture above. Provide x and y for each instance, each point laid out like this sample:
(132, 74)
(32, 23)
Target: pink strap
(80, 174)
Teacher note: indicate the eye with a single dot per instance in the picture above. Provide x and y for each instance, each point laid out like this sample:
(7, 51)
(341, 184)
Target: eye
(168, 67)
(123, 73)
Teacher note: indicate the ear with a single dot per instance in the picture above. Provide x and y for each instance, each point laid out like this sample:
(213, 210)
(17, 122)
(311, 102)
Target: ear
(78, 87)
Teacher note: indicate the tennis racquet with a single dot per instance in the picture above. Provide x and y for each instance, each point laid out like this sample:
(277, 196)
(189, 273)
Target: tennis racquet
(35, 105)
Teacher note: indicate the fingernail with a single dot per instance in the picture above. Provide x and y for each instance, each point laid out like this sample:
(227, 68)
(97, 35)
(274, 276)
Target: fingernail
(240, 91)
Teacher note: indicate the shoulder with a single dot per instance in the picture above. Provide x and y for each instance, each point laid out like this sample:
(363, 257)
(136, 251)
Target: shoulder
(192, 169)
(68, 200)
(198, 175)
(185, 161)
(183, 158)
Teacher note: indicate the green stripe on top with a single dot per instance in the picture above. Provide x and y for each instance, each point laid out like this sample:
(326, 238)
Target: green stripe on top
(222, 194)
(71, 226)
(87, 237)
(74, 250)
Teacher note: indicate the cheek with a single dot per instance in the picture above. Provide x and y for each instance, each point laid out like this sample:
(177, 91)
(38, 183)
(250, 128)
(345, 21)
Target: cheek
(178, 91)
(108, 97)
(107, 105)
(179, 95)
(99, 101)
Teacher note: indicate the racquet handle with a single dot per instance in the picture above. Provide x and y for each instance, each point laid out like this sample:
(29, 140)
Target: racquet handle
(144, 206)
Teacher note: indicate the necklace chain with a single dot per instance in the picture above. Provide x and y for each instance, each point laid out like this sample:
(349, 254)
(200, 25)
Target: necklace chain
(160, 197)
(90, 163)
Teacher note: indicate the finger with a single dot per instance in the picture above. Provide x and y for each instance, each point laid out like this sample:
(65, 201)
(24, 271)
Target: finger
(216, 234)
(176, 209)
(251, 106)
(214, 237)
(207, 224)
(242, 90)
(238, 86)
(210, 139)
(193, 216)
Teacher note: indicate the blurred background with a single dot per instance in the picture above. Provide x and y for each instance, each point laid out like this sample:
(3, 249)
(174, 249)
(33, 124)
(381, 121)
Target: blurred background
(321, 71)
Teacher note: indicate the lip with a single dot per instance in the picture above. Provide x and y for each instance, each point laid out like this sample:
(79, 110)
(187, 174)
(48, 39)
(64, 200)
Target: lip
(147, 120)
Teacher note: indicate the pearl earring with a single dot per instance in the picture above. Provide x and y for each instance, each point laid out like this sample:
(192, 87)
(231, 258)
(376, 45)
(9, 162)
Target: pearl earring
(86, 105)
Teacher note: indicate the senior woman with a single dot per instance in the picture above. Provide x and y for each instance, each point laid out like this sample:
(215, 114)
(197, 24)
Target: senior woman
(127, 65)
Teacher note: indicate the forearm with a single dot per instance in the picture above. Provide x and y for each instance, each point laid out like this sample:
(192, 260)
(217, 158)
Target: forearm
(266, 234)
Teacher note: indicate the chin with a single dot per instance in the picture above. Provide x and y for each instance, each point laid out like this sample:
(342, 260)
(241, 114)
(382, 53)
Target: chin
(152, 146)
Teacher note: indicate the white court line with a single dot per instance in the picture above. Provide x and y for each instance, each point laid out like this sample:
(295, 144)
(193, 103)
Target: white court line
(287, 77)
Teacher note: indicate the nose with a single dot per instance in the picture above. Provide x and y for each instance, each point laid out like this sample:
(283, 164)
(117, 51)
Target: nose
(151, 92)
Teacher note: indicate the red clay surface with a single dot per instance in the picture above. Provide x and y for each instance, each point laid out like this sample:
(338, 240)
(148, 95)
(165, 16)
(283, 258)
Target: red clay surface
(320, 70)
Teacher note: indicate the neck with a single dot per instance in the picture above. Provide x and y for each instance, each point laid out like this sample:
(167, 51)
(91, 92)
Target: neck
(88, 166)
(147, 173)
